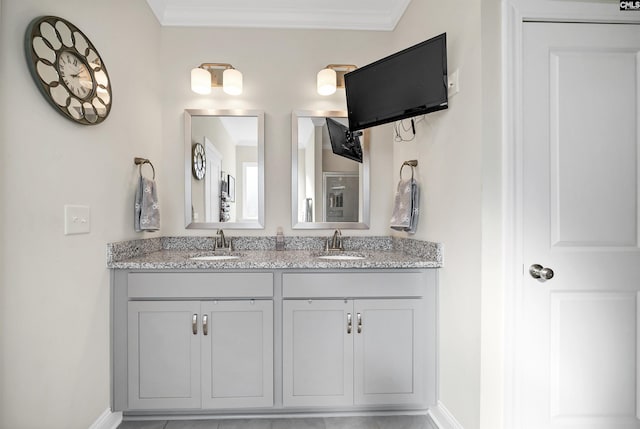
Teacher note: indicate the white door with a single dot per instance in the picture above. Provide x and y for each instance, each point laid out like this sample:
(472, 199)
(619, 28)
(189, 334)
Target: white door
(577, 333)
(317, 353)
(212, 182)
(237, 354)
(389, 352)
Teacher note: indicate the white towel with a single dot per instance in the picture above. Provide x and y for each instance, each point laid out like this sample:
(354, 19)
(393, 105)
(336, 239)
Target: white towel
(406, 206)
(147, 209)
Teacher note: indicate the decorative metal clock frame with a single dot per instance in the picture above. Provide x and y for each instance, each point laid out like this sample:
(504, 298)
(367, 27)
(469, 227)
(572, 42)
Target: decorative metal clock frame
(199, 161)
(68, 70)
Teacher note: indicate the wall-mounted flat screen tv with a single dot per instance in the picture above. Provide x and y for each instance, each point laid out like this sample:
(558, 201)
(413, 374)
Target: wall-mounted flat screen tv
(344, 142)
(408, 83)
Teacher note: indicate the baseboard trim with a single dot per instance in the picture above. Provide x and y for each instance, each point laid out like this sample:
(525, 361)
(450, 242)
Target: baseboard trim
(439, 416)
(107, 420)
(442, 418)
(142, 416)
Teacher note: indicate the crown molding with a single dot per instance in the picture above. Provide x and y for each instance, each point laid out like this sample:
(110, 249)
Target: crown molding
(354, 15)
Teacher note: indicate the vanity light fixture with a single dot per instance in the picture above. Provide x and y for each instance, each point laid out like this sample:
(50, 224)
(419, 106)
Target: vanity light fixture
(332, 77)
(210, 75)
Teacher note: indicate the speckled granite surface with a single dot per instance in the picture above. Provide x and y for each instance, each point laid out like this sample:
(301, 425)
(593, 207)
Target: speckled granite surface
(259, 253)
(269, 243)
(130, 249)
(421, 249)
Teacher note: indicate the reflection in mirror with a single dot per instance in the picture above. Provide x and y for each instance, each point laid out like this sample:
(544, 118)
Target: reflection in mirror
(327, 191)
(49, 33)
(59, 95)
(224, 169)
(47, 73)
(81, 43)
(43, 50)
(65, 33)
(75, 108)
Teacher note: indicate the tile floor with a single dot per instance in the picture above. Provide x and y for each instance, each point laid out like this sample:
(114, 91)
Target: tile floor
(383, 422)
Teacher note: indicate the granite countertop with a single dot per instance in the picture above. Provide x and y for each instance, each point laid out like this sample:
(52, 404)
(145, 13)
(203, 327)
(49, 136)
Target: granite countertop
(257, 253)
(271, 259)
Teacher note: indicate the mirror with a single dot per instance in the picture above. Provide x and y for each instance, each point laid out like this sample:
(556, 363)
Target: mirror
(224, 169)
(327, 191)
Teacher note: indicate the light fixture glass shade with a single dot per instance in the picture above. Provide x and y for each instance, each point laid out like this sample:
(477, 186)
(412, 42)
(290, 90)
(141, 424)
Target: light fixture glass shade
(232, 82)
(326, 82)
(200, 81)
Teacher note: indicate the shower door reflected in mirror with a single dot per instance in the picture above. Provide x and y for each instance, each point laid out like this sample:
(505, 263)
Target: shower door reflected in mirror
(224, 169)
(328, 191)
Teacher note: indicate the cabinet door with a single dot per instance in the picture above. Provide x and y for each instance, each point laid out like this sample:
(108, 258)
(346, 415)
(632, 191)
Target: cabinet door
(389, 352)
(317, 353)
(237, 354)
(163, 354)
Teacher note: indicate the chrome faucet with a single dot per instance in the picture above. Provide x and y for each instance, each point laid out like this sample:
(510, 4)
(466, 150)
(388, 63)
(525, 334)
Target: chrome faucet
(335, 242)
(220, 242)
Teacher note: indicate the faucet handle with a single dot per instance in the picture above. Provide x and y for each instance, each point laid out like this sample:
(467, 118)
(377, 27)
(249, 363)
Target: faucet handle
(218, 240)
(335, 241)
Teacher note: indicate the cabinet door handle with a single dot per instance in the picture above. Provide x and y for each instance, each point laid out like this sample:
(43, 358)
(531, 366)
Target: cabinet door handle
(349, 323)
(359, 316)
(194, 324)
(205, 325)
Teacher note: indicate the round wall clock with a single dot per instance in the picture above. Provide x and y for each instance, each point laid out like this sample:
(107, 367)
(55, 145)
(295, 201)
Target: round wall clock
(68, 70)
(199, 161)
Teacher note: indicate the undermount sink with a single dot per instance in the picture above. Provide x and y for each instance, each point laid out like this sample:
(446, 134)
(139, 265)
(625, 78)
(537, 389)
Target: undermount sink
(214, 257)
(343, 257)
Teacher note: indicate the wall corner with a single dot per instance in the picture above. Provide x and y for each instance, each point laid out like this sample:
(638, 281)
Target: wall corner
(107, 420)
(441, 417)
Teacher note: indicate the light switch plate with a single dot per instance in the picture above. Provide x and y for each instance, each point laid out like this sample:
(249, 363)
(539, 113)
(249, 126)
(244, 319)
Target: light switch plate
(77, 219)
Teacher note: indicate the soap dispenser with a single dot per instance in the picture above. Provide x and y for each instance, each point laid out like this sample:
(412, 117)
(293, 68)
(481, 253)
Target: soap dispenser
(279, 239)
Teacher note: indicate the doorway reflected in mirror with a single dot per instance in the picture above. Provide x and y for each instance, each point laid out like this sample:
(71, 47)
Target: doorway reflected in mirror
(230, 193)
(329, 190)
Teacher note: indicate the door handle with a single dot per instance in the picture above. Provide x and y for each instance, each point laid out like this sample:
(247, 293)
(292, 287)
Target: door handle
(537, 271)
(205, 325)
(359, 317)
(194, 324)
(349, 323)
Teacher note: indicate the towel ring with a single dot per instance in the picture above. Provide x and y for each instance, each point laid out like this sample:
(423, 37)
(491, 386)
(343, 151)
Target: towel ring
(142, 161)
(412, 163)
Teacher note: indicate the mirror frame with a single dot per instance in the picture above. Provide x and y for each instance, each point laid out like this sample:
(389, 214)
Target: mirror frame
(366, 203)
(189, 223)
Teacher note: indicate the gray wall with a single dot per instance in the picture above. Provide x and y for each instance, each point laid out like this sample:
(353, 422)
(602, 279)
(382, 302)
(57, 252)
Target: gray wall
(460, 159)
(54, 289)
(56, 359)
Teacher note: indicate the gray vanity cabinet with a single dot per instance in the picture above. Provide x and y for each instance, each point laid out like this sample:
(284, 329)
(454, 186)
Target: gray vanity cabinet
(164, 355)
(317, 353)
(376, 349)
(237, 354)
(195, 341)
(210, 354)
(389, 351)
(273, 341)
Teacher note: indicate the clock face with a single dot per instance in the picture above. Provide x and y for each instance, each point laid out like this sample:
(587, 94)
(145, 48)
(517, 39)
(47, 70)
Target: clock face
(68, 70)
(75, 75)
(199, 161)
